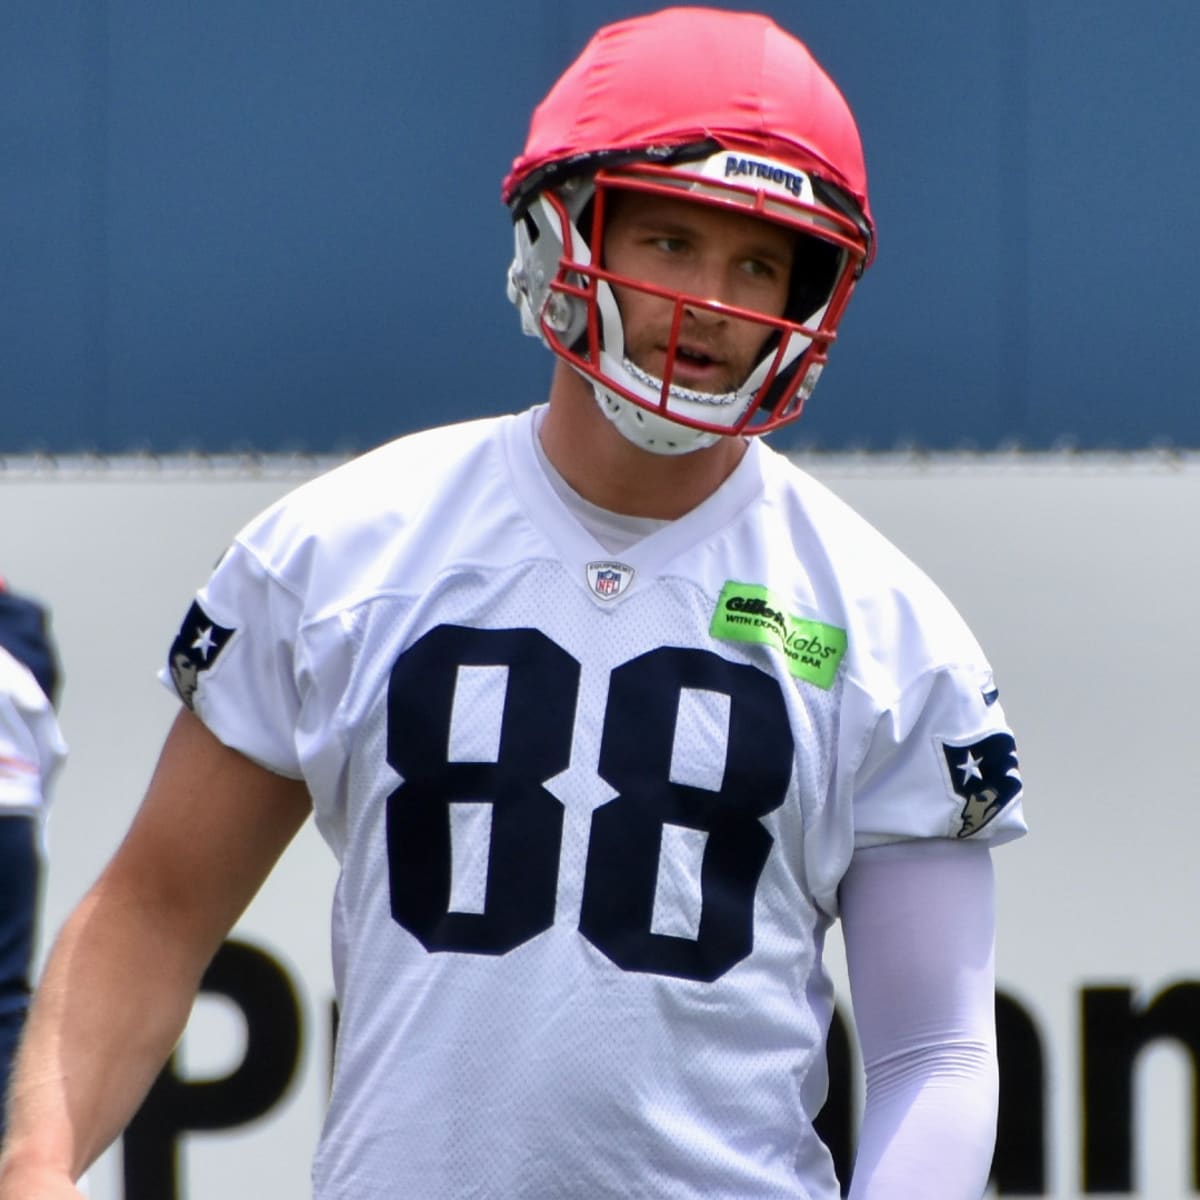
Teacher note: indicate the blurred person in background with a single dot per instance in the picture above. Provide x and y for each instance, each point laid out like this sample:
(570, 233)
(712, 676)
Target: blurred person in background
(31, 752)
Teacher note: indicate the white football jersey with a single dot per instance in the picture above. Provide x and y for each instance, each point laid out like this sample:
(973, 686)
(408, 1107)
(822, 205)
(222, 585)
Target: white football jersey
(591, 810)
(31, 744)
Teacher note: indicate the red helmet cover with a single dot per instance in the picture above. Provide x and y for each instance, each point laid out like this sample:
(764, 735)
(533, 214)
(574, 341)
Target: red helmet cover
(685, 75)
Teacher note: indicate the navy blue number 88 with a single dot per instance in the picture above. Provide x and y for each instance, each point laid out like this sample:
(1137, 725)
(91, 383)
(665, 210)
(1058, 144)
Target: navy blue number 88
(536, 731)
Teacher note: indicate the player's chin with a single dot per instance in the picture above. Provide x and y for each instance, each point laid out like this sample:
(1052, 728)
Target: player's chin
(724, 384)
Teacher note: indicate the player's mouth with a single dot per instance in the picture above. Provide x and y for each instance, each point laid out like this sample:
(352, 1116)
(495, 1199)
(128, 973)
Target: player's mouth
(696, 367)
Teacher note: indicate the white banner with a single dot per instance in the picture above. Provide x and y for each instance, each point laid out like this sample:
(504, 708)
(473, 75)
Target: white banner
(1080, 575)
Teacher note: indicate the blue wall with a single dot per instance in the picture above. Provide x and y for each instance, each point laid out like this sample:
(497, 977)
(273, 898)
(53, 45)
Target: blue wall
(277, 225)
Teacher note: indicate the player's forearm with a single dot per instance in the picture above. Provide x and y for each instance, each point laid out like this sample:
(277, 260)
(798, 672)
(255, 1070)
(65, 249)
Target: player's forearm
(929, 1126)
(119, 985)
(113, 1001)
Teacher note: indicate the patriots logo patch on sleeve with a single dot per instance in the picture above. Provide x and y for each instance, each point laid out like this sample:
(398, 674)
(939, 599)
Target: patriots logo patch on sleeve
(985, 776)
(195, 649)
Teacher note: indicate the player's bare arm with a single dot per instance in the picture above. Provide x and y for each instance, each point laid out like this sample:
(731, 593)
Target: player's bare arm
(120, 982)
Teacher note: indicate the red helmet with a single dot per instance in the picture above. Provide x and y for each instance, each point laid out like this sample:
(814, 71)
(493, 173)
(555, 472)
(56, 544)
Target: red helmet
(723, 109)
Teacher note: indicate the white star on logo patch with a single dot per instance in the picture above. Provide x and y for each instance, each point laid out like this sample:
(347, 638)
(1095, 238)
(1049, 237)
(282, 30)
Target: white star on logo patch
(970, 767)
(205, 642)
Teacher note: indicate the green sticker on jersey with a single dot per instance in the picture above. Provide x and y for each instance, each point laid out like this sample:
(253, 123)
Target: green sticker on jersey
(747, 612)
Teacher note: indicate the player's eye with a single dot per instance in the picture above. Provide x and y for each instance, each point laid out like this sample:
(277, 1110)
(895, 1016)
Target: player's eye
(761, 268)
(669, 244)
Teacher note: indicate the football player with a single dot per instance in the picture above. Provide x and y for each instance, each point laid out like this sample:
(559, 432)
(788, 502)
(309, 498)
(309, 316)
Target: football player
(607, 711)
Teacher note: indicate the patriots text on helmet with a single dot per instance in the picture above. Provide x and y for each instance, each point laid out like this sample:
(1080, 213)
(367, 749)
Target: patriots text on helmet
(757, 169)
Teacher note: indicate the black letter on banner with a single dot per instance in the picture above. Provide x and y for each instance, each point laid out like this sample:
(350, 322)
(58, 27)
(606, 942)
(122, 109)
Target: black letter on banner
(259, 986)
(1113, 1035)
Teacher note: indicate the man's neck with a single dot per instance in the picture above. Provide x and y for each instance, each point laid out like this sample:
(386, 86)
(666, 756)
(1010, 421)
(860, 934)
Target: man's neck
(608, 470)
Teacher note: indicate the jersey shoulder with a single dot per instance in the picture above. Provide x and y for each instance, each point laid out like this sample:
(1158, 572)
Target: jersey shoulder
(926, 745)
(392, 513)
(395, 481)
(900, 623)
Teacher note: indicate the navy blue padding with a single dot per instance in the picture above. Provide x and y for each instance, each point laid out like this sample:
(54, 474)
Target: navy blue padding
(20, 870)
(19, 880)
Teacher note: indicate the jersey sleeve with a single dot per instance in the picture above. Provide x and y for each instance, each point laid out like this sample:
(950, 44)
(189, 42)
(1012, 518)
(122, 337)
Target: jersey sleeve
(940, 762)
(234, 660)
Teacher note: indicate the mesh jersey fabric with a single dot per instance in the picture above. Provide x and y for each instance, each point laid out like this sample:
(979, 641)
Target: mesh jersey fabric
(590, 840)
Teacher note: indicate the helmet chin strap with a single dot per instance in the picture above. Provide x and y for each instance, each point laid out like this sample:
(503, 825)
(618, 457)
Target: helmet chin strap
(652, 431)
(689, 395)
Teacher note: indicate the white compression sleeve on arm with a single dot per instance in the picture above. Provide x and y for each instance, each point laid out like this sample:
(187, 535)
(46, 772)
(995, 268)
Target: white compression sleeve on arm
(919, 925)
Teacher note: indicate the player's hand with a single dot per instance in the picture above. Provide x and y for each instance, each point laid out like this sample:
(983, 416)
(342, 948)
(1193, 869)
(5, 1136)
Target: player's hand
(35, 1183)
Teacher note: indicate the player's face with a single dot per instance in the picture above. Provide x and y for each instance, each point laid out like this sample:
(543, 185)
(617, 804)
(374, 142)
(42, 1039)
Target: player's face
(709, 253)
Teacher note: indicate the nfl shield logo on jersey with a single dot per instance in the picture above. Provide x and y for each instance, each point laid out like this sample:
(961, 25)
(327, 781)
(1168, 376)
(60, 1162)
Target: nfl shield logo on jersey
(608, 579)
